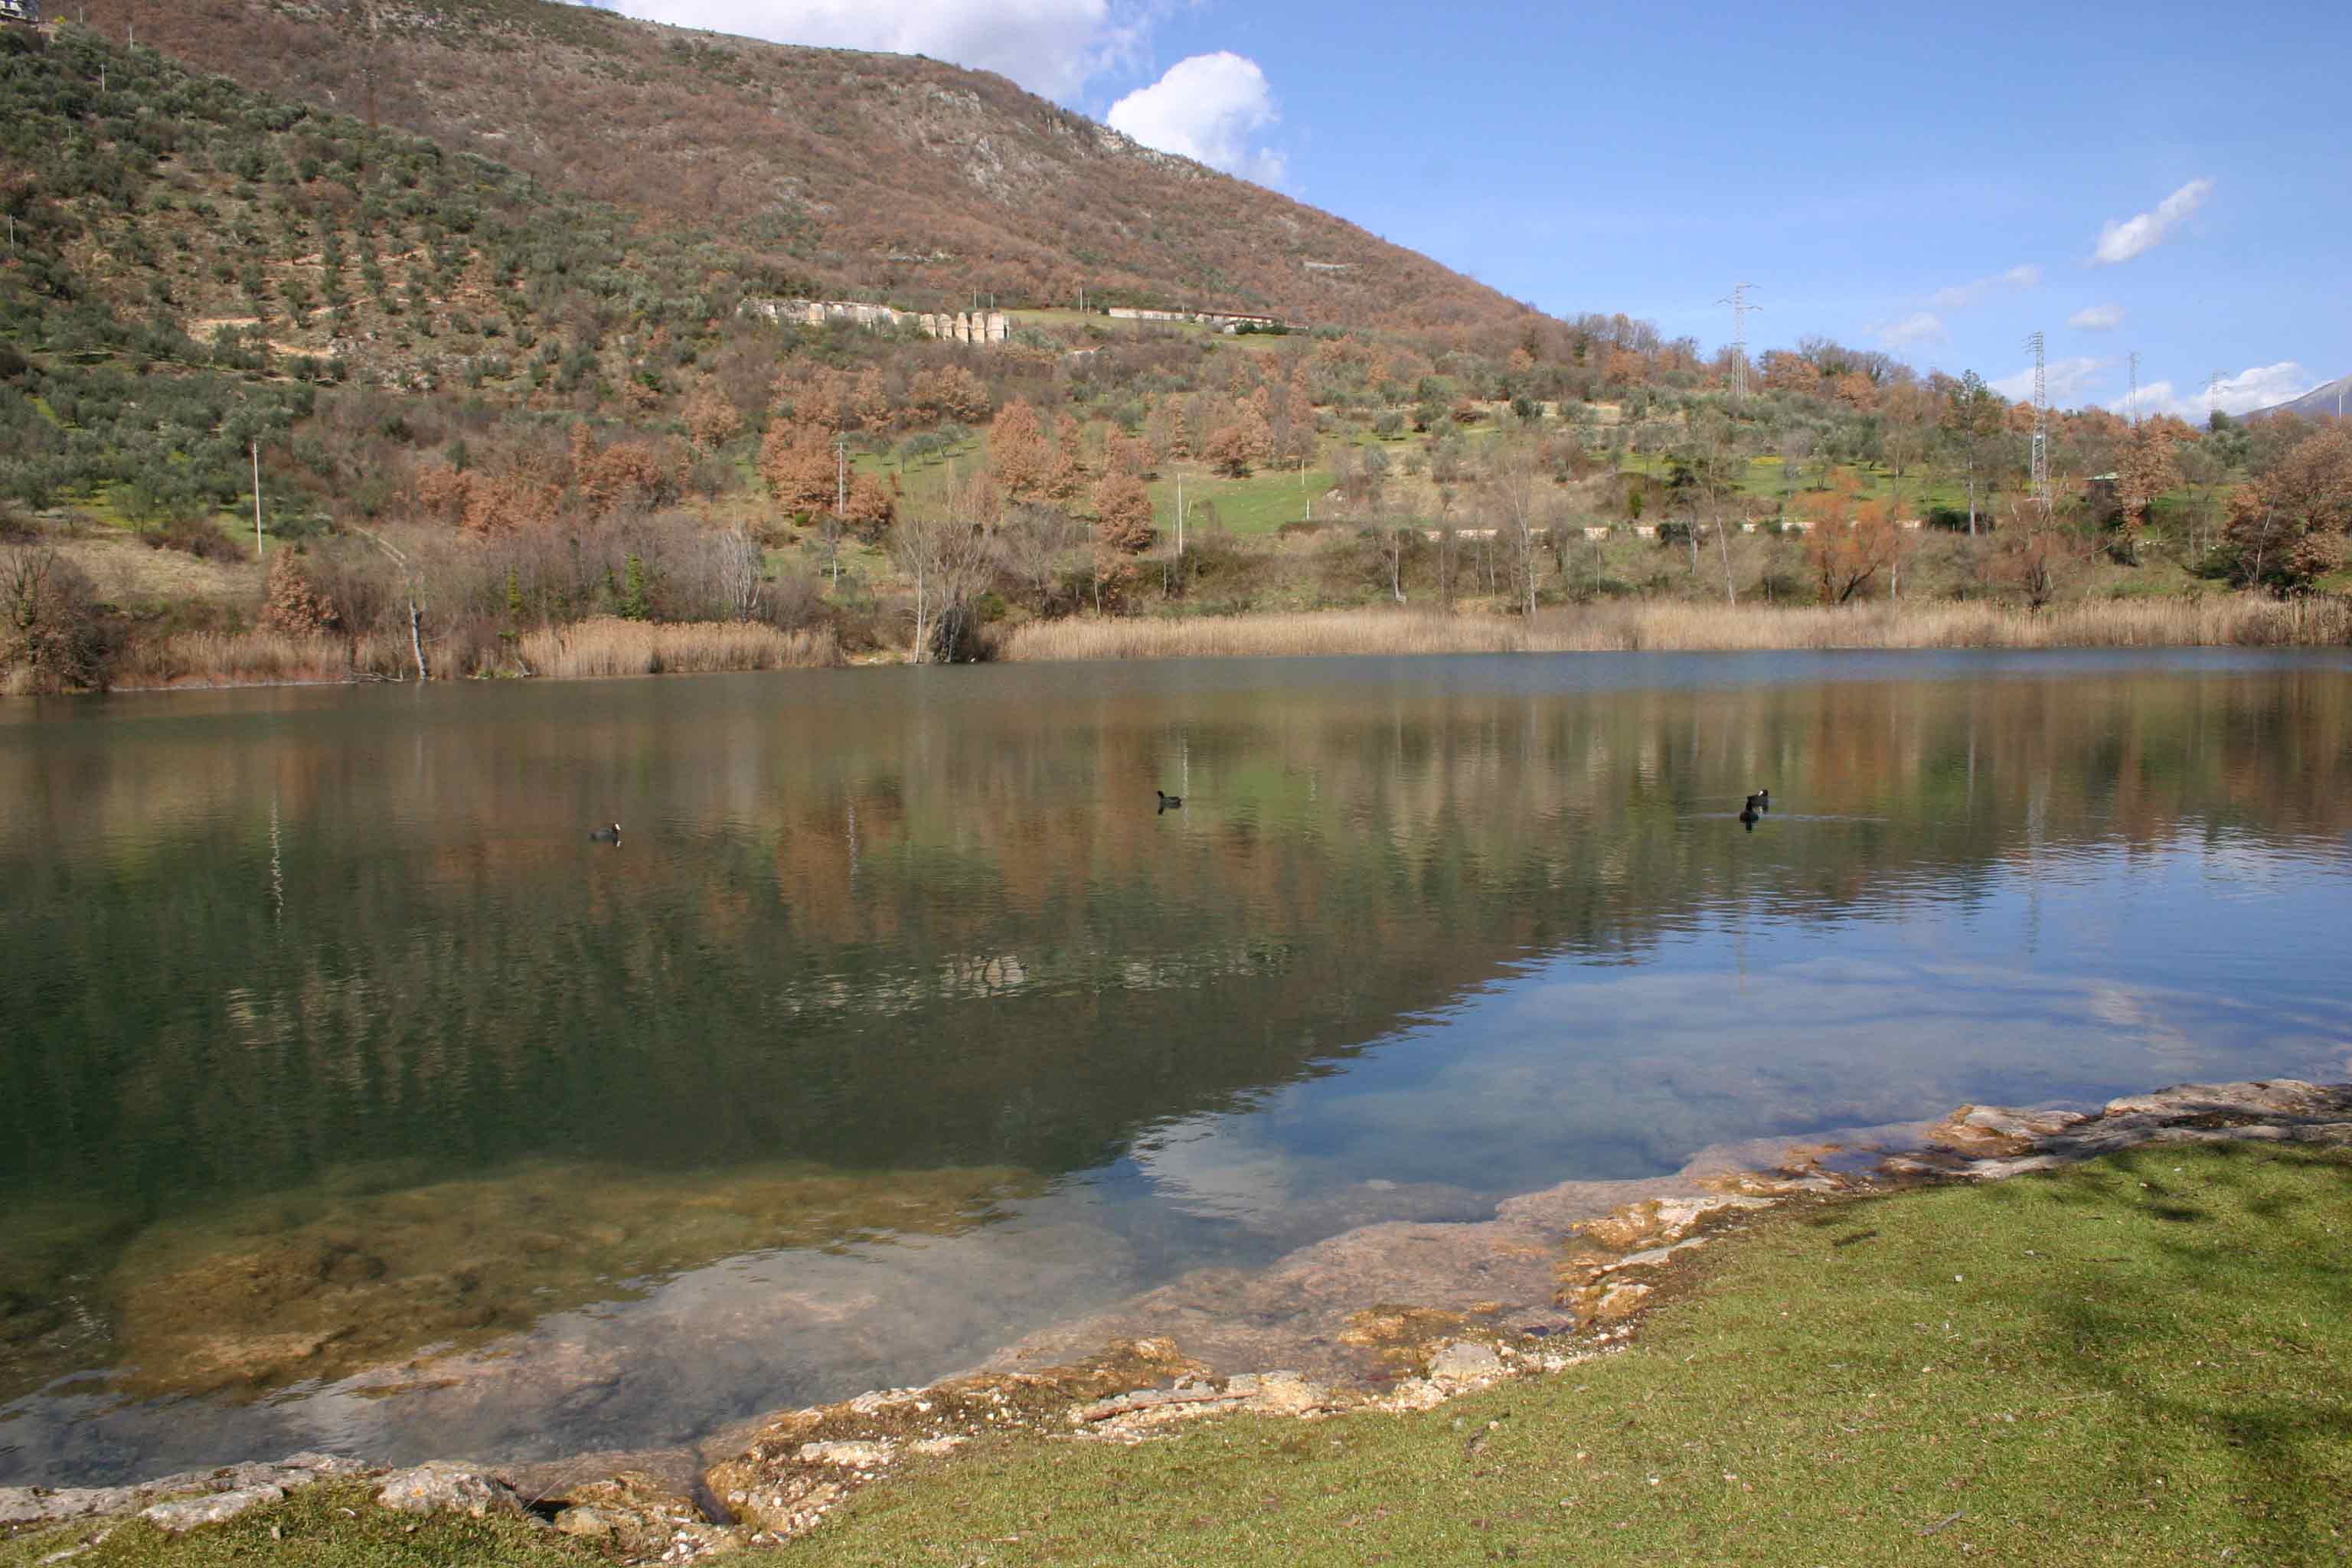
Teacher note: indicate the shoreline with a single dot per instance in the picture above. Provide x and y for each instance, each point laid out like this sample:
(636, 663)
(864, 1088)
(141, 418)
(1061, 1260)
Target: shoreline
(607, 651)
(1589, 1261)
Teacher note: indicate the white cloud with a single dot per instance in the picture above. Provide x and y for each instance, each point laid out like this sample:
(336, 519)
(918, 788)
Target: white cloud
(2023, 275)
(2258, 386)
(2134, 236)
(2097, 318)
(1206, 108)
(2068, 379)
(1050, 46)
(1919, 327)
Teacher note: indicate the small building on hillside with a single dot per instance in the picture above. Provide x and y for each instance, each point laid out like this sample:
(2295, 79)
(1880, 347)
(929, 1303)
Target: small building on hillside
(27, 12)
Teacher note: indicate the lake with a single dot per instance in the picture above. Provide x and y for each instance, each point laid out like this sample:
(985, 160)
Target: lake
(355, 1099)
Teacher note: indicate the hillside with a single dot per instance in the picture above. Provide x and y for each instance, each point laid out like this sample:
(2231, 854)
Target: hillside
(523, 406)
(2330, 400)
(870, 175)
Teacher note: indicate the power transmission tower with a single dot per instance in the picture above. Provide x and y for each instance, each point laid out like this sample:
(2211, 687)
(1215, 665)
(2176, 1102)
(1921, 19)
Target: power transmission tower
(2041, 423)
(1740, 308)
(2213, 395)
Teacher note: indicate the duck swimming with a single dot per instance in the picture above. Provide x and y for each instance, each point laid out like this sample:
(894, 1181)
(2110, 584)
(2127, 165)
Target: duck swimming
(607, 835)
(1760, 801)
(1169, 802)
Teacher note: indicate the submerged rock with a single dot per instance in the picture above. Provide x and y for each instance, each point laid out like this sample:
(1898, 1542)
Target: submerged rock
(325, 1282)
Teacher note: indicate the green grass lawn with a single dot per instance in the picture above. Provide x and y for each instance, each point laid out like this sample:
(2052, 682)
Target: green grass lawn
(2144, 1360)
(1765, 480)
(1259, 504)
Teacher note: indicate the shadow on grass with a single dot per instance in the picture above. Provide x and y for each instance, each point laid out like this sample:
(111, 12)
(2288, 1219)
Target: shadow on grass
(2209, 1326)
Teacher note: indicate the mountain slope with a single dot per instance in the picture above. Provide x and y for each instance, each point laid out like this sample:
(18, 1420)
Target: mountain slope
(2332, 399)
(889, 176)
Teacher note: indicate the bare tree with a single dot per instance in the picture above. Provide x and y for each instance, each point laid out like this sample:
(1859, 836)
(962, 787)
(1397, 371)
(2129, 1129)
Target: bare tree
(1515, 505)
(1393, 541)
(50, 631)
(1039, 545)
(416, 605)
(741, 567)
(947, 558)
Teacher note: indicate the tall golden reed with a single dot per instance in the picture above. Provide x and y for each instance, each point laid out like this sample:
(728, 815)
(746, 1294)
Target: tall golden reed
(2232, 620)
(606, 646)
(602, 647)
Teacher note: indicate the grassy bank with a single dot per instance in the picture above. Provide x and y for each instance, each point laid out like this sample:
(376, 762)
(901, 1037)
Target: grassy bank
(2143, 1359)
(2219, 621)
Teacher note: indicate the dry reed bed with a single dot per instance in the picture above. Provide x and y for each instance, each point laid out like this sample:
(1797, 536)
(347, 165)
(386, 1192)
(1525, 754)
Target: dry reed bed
(258, 658)
(1620, 628)
(603, 646)
(606, 646)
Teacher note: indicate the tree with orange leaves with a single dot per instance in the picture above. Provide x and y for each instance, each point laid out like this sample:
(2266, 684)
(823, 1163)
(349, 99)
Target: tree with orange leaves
(711, 421)
(1123, 515)
(2287, 529)
(1228, 450)
(2144, 470)
(1017, 455)
(1850, 540)
(801, 468)
(870, 400)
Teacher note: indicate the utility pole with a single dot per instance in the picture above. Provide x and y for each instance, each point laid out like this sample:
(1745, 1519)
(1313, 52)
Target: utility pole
(256, 446)
(2041, 465)
(840, 504)
(1740, 308)
(1180, 521)
(2133, 402)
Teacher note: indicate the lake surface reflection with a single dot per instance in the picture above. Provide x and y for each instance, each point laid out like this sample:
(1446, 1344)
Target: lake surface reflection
(354, 1097)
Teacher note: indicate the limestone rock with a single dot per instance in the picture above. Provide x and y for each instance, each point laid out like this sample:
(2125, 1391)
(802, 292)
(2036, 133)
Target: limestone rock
(786, 1506)
(1279, 1393)
(1620, 1301)
(49, 1505)
(440, 1486)
(1465, 1361)
(854, 1456)
(642, 1518)
(180, 1516)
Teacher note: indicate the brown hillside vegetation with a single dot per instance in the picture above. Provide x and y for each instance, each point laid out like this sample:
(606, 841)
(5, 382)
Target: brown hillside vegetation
(876, 175)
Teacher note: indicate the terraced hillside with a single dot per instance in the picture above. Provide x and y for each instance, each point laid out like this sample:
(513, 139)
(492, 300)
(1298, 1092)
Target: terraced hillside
(883, 175)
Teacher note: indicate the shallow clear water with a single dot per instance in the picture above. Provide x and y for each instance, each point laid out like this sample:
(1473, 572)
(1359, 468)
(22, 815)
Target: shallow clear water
(354, 1097)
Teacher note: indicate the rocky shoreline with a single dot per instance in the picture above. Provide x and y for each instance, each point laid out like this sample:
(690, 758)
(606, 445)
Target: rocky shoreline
(1386, 1317)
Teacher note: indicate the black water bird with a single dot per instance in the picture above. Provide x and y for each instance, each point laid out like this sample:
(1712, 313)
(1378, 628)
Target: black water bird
(1749, 816)
(1168, 802)
(1760, 801)
(607, 835)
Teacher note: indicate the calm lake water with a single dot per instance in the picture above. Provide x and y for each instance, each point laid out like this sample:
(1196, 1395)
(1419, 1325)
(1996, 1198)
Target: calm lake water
(351, 1097)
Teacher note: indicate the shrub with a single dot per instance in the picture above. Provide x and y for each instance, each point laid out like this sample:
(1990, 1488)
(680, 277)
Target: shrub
(51, 638)
(193, 536)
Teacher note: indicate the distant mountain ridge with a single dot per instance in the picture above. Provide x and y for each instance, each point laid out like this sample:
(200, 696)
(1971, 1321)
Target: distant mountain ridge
(2332, 399)
(888, 177)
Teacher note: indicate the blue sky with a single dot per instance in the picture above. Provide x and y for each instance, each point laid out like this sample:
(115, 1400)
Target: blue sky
(1934, 181)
